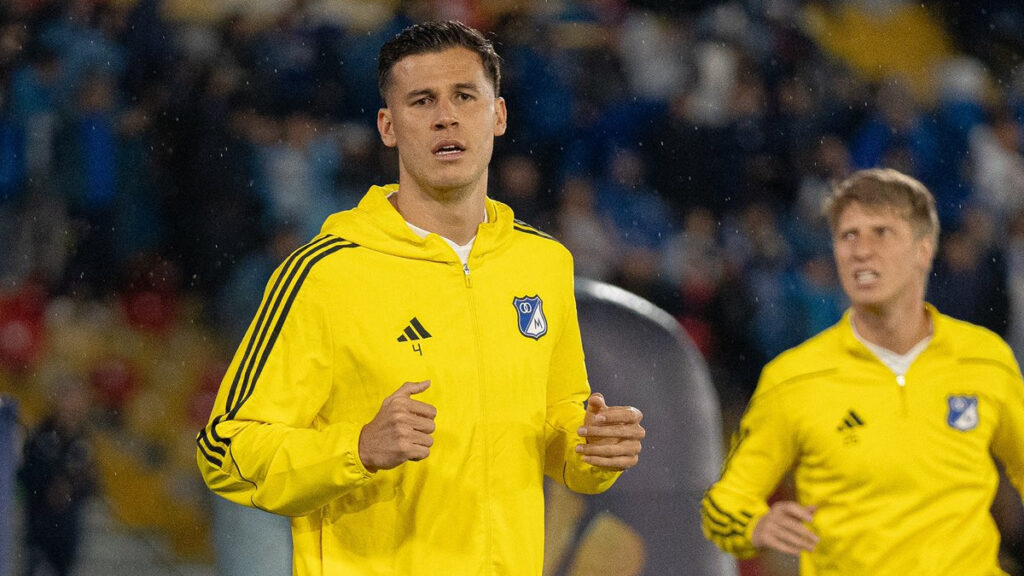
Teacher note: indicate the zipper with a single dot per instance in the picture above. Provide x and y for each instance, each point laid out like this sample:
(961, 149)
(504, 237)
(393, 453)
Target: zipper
(488, 513)
(901, 382)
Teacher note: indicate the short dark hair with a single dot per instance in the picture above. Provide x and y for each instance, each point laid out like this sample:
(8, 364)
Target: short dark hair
(886, 188)
(435, 37)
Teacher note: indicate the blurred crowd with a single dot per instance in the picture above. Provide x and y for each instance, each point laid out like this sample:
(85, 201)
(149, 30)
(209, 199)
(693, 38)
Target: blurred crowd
(159, 158)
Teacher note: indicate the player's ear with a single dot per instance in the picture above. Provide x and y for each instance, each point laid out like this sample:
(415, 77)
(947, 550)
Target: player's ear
(926, 251)
(386, 128)
(500, 116)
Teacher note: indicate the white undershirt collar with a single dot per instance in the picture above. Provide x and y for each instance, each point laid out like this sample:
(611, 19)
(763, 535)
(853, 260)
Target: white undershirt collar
(462, 251)
(898, 363)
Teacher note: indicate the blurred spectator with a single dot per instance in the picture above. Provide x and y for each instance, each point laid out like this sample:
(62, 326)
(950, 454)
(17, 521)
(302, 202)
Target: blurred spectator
(536, 83)
(57, 476)
(86, 37)
(296, 62)
(804, 224)
(652, 48)
(694, 263)
(1015, 283)
(717, 66)
(642, 218)
(589, 235)
(999, 165)
(736, 358)
(752, 170)
(639, 272)
(518, 183)
(364, 159)
(819, 296)
(756, 244)
(238, 299)
(685, 157)
(896, 134)
(963, 85)
(298, 172)
(149, 47)
(37, 245)
(214, 178)
(87, 145)
(12, 151)
(34, 110)
(969, 279)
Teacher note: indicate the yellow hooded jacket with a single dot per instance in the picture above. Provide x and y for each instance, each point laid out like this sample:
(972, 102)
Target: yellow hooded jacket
(346, 320)
(900, 468)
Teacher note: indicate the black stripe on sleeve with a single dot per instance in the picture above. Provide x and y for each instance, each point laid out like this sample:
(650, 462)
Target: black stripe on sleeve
(247, 389)
(205, 440)
(730, 533)
(218, 462)
(713, 520)
(243, 378)
(719, 510)
(267, 311)
(273, 296)
(264, 313)
(533, 231)
(213, 430)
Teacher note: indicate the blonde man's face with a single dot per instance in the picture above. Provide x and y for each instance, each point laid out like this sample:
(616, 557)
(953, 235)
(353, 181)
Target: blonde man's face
(880, 260)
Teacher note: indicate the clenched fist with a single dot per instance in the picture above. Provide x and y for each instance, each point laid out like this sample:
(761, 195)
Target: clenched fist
(400, 431)
(613, 434)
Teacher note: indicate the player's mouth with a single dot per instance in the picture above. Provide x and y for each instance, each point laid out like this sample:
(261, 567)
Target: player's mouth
(448, 149)
(866, 277)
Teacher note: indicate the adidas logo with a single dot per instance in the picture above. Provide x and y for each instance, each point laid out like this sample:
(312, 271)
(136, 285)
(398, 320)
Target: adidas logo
(850, 421)
(414, 331)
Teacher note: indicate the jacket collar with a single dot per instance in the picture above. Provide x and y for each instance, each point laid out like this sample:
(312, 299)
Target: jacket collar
(376, 224)
(941, 341)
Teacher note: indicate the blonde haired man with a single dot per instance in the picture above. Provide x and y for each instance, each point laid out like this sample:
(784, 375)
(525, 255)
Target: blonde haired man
(888, 420)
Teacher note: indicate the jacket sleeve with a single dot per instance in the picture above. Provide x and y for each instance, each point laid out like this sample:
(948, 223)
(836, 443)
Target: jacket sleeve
(567, 393)
(264, 445)
(762, 451)
(1008, 440)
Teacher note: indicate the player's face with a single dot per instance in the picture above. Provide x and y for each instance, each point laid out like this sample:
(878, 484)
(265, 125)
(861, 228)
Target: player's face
(442, 115)
(881, 262)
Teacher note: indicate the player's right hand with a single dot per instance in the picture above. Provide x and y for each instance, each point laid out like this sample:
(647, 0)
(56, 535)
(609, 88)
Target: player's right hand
(400, 431)
(784, 529)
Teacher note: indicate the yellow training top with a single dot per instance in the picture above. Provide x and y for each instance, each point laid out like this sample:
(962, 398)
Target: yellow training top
(900, 468)
(345, 321)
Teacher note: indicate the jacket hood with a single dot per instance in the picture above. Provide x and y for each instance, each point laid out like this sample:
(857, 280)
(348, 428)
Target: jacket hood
(375, 224)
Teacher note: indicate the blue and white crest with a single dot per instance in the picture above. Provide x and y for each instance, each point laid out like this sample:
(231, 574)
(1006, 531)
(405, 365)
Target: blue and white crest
(963, 412)
(532, 322)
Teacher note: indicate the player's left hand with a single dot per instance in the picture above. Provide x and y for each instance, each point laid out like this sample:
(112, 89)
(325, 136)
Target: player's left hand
(613, 434)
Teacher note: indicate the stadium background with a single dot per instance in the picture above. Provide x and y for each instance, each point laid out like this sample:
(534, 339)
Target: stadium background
(158, 158)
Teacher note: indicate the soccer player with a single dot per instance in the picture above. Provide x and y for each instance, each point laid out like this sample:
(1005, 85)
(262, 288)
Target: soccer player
(889, 419)
(416, 370)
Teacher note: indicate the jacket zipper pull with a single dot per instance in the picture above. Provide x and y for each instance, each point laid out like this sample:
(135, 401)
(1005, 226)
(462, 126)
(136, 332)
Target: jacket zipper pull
(901, 381)
(465, 274)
